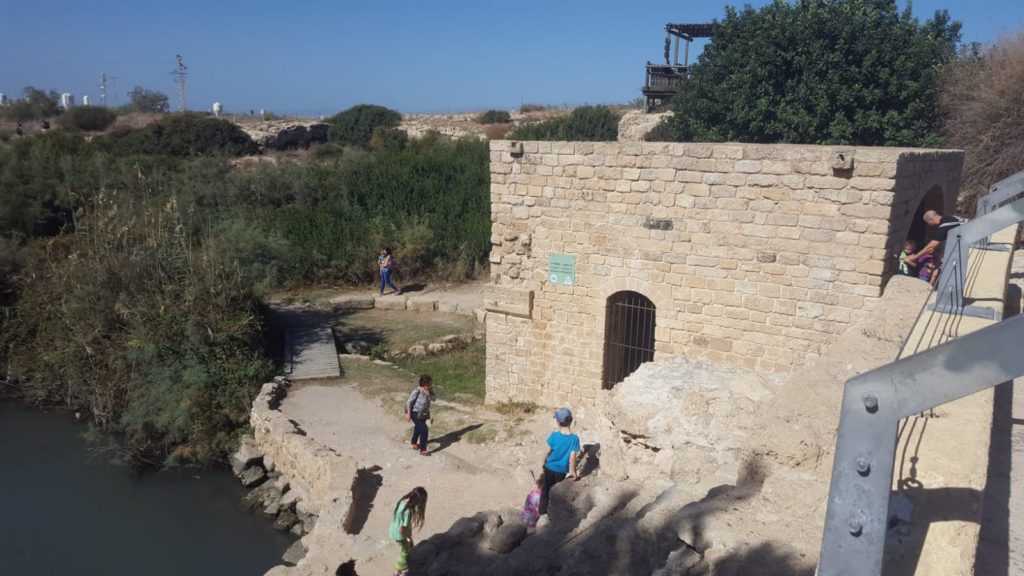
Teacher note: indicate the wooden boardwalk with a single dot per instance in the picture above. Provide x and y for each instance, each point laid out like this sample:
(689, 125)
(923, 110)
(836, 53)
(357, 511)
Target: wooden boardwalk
(309, 344)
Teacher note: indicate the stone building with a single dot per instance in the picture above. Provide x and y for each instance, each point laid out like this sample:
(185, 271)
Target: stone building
(606, 255)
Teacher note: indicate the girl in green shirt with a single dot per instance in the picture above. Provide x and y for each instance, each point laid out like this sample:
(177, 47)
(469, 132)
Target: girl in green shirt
(410, 511)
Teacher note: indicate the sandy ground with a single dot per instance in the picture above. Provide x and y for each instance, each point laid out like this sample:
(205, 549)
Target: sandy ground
(461, 478)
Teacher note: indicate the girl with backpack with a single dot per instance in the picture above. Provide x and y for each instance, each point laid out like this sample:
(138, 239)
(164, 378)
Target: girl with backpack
(386, 262)
(417, 410)
(410, 511)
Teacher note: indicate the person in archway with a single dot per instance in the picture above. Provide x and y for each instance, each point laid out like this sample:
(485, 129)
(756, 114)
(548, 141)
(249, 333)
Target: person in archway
(939, 227)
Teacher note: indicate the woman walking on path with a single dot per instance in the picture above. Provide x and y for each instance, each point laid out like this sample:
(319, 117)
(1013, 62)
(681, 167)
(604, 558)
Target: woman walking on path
(386, 262)
(410, 511)
(560, 460)
(417, 410)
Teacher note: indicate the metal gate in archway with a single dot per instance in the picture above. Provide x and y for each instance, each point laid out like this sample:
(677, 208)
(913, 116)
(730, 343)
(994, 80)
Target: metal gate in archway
(628, 335)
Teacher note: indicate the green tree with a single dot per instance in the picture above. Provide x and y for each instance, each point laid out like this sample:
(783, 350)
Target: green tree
(144, 100)
(35, 104)
(354, 126)
(817, 72)
(87, 118)
(494, 117)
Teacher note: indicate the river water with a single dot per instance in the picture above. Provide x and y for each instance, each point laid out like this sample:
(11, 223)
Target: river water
(67, 511)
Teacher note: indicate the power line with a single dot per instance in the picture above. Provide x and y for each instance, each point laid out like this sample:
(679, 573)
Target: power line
(179, 74)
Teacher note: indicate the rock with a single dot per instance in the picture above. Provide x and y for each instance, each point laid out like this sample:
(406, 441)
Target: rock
(492, 522)
(448, 307)
(464, 529)
(286, 134)
(253, 476)
(357, 347)
(299, 529)
(289, 499)
(272, 509)
(247, 455)
(256, 498)
(450, 338)
(268, 463)
(390, 302)
(417, 350)
(506, 538)
(352, 302)
(422, 304)
(294, 553)
(481, 314)
(436, 347)
(285, 520)
(635, 125)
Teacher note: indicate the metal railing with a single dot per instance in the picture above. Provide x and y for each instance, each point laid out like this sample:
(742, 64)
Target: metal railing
(873, 405)
(997, 210)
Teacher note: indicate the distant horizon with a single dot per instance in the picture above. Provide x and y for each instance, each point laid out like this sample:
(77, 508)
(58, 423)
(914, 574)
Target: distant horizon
(324, 57)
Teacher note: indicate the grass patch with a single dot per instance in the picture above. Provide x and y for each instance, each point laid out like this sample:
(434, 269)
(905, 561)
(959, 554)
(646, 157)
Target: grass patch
(397, 330)
(515, 408)
(457, 375)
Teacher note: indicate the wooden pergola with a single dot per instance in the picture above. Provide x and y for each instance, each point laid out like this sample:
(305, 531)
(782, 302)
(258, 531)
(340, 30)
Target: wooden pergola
(662, 81)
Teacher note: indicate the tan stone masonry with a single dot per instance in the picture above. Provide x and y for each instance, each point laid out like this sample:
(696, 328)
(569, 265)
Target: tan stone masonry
(754, 255)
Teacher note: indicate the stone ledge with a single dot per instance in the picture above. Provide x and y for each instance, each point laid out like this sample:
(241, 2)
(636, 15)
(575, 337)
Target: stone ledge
(509, 301)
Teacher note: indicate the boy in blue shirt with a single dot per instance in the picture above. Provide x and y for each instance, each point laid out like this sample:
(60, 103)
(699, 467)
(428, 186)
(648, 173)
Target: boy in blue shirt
(560, 460)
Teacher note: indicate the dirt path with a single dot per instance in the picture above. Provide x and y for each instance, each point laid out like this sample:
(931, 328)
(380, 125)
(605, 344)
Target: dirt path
(461, 477)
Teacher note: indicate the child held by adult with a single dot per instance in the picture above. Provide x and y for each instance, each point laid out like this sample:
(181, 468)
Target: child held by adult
(417, 411)
(409, 512)
(560, 460)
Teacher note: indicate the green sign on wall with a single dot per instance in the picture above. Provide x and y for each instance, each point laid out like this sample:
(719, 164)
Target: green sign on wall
(561, 269)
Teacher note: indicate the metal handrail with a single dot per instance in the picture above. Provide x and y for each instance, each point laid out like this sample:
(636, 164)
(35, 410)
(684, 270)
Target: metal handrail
(958, 243)
(1000, 192)
(873, 404)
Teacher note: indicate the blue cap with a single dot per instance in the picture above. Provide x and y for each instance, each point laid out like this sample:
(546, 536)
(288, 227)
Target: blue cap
(563, 415)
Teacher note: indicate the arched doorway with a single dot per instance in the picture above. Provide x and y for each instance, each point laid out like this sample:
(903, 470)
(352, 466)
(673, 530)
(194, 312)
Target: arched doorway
(932, 200)
(628, 335)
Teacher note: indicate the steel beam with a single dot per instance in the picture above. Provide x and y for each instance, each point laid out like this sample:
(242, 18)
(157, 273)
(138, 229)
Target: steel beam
(873, 404)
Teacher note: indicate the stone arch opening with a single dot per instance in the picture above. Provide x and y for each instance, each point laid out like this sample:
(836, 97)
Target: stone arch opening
(932, 200)
(629, 329)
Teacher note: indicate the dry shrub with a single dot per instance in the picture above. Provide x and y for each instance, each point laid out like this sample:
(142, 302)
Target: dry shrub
(982, 108)
(497, 131)
(532, 108)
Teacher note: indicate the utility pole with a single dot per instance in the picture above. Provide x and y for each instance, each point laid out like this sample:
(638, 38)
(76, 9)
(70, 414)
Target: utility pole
(179, 74)
(103, 89)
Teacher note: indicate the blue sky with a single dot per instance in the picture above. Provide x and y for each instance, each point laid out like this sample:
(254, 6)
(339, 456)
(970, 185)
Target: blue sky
(318, 57)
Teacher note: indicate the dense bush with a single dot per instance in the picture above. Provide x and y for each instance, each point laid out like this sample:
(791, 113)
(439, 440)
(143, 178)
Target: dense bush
(817, 72)
(182, 136)
(87, 118)
(494, 117)
(354, 127)
(146, 328)
(586, 123)
(392, 139)
(983, 113)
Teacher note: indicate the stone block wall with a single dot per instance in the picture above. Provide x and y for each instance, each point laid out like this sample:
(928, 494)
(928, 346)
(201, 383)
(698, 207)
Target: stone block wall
(754, 255)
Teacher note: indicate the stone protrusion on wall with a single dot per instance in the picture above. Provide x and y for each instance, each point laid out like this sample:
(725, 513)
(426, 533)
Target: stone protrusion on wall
(757, 255)
(511, 301)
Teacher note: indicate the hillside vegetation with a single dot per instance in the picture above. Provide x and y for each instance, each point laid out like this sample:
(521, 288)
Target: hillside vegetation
(133, 263)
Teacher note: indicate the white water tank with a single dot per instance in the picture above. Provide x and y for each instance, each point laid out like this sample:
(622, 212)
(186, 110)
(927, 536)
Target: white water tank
(67, 100)
(3, 99)
(85, 100)
(218, 109)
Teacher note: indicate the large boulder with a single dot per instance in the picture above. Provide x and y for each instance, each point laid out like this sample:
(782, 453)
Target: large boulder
(282, 135)
(682, 420)
(506, 538)
(246, 456)
(634, 125)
